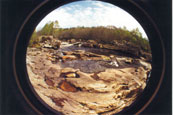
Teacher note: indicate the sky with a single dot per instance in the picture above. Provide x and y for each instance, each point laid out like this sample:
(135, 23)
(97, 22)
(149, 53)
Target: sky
(91, 13)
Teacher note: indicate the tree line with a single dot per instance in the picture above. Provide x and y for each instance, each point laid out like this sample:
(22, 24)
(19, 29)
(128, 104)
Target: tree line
(100, 34)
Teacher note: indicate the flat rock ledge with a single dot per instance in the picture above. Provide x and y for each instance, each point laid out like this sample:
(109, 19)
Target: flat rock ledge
(74, 92)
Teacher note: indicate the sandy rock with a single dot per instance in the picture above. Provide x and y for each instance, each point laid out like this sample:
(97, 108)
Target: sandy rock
(105, 57)
(129, 61)
(66, 70)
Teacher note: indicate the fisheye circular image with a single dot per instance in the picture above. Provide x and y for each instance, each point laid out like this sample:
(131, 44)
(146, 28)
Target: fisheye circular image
(89, 58)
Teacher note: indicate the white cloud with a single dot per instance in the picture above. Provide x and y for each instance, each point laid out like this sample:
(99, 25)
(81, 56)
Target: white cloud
(95, 14)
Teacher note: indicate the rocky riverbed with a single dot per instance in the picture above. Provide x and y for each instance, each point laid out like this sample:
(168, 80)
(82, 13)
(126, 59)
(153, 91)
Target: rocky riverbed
(77, 80)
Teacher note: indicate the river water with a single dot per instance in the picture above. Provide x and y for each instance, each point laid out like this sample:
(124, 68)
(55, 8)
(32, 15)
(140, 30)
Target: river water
(91, 66)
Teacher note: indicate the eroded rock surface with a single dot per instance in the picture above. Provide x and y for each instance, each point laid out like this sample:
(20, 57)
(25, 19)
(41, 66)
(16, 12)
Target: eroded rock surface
(81, 81)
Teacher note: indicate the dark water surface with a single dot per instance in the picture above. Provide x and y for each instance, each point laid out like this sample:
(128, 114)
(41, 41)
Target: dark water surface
(91, 66)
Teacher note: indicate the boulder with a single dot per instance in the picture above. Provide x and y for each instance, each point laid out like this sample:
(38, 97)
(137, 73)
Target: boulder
(72, 41)
(100, 45)
(47, 46)
(92, 42)
(129, 61)
(43, 39)
(56, 44)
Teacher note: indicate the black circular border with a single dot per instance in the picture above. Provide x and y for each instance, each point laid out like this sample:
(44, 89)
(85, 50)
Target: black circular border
(23, 36)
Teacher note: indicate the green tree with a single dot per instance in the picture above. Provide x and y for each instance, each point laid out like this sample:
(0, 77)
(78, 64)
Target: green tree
(49, 28)
(55, 24)
(137, 33)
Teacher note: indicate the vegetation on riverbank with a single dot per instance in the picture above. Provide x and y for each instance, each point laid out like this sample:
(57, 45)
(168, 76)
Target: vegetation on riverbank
(106, 35)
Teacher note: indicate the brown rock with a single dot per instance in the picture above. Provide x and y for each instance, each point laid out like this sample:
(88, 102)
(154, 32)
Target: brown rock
(58, 101)
(95, 76)
(66, 86)
(69, 57)
(49, 82)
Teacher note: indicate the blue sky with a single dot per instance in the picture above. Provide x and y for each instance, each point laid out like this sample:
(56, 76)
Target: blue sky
(91, 13)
